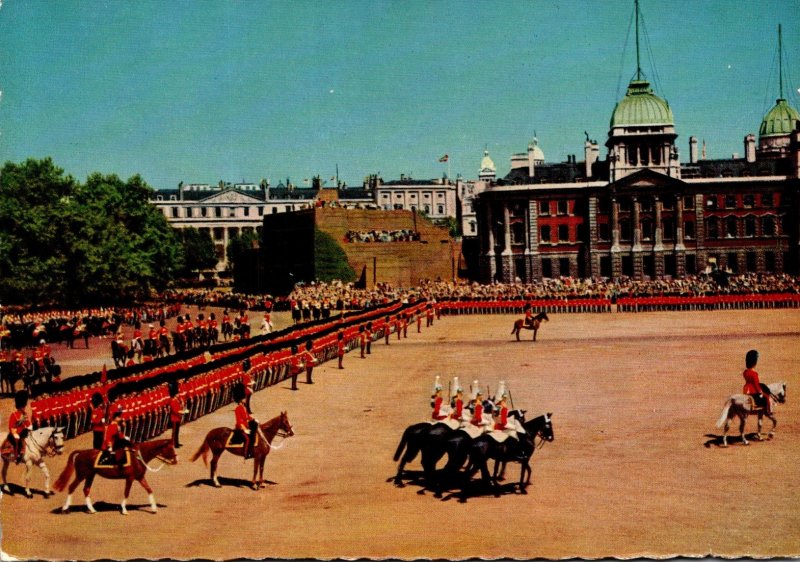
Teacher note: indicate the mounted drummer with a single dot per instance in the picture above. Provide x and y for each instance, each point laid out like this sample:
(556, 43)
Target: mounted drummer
(501, 421)
(19, 424)
(436, 402)
(477, 406)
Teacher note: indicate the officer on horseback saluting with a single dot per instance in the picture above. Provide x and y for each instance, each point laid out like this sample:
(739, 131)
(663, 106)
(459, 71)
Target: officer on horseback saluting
(19, 424)
(752, 386)
(246, 424)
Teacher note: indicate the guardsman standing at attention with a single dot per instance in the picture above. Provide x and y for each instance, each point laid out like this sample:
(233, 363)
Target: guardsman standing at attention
(436, 401)
(98, 420)
(340, 347)
(19, 424)
(428, 315)
(176, 411)
(362, 341)
(369, 338)
(295, 366)
(309, 360)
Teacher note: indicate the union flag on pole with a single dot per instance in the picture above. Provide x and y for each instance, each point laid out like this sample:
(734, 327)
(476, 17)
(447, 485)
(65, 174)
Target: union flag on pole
(444, 158)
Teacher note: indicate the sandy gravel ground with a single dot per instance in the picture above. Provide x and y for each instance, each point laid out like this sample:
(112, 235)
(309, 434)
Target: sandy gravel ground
(634, 469)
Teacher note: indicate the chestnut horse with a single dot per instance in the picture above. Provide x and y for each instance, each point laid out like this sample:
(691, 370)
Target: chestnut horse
(534, 325)
(217, 442)
(82, 463)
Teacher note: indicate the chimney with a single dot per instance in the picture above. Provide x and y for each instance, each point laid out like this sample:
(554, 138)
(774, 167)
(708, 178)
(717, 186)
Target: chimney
(750, 147)
(692, 150)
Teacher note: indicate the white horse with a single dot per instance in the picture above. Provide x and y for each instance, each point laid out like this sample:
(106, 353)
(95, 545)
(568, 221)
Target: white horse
(45, 441)
(742, 405)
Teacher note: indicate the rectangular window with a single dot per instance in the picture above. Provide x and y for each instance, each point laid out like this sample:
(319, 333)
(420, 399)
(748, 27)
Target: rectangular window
(563, 233)
(711, 202)
(688, 230)
(563, 267)
(603, 231)
(563, 207)
(730, 201)
(274, 210)
(440, 209)
(174, 212)
(766, 200)
(545, 235)
(246, 211)
(288, 208)
(748, 201)
(218, 212)
(688, 202)
(544, 208)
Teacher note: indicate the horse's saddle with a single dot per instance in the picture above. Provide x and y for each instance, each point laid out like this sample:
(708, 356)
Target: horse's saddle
(236, 440)
(113, 459)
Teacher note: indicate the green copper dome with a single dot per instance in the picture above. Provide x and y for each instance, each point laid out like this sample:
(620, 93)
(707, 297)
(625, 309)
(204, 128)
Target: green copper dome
(641, 106)
(780, 120)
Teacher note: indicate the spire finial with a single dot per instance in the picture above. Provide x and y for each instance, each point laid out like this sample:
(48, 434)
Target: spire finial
(780, 62)
(638, 65)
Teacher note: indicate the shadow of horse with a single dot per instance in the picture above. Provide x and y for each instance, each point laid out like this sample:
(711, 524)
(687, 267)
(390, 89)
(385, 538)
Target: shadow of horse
(16, 489)
(453, 484)
(105, 507)
(717, 440)
(226, 482)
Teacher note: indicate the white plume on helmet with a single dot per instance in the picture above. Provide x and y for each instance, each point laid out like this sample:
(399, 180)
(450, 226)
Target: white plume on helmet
(437, 385)
(456, 386)
(502, 392)
(476, 390)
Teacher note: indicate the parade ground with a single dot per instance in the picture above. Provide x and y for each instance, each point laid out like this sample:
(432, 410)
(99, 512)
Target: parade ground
(635, 468)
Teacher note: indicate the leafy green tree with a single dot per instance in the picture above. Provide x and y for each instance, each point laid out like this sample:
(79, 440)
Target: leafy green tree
(69, 243)
(34, 207)
(330, 260)
(198, 250)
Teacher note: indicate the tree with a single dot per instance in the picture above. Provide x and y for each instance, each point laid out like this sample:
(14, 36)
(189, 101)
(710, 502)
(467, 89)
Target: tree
(69, 243)
(198, 251)
(330, 260)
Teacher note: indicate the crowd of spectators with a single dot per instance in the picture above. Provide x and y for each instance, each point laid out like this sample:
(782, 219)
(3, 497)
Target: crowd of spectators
(401, 235)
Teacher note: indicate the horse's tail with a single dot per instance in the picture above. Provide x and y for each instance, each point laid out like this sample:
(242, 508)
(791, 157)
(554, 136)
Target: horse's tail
(202, 452)
(401, 446)
(724, 415)
(67, 473)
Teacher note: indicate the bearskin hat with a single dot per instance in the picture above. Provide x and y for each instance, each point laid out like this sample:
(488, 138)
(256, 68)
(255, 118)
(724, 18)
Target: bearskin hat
(238, 392)
(97, 400)
(21, 399)
(751, 358)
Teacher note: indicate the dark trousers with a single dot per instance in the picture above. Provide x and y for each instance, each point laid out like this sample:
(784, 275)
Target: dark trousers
(176, 430)
(97, 439)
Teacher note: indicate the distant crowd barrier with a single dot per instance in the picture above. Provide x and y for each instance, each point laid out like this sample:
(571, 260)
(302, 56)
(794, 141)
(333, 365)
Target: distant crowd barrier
(622, 304)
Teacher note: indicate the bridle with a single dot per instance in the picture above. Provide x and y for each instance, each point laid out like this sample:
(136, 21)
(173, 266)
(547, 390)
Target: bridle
(50, 448)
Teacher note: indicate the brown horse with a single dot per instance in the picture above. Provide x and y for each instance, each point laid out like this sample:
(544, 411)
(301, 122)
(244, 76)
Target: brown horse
(85, 466)
(534, 325)
(217, 441)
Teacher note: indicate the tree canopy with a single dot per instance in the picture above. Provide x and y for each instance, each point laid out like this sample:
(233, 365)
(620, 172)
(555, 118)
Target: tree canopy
(70, 243)
(330, 260)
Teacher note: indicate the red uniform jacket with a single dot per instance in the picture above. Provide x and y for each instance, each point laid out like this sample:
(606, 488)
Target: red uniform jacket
(437, 406)
(503, 419)
(112, 431)
(456, 414)
(17, 421)
(242, 417)
(175, 410)
(477, 417)
(751, 383)
(98, 419)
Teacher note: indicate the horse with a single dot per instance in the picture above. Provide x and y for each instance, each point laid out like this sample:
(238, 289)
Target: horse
(741, 405)
(84, 464)
(455, 444)
(45, 441)
(485, 447)
(119, 353)
(534, 325)
(217, 441)
(411, 442)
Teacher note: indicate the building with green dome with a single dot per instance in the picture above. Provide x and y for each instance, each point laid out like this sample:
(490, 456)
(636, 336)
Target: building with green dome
(643, 211)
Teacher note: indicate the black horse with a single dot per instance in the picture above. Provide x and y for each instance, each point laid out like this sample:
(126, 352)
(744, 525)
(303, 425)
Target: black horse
(519, 450)
(456, 445)
(411, 443)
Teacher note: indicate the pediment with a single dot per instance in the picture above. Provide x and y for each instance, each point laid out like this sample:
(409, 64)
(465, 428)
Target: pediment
(647, 179)
(232, 196)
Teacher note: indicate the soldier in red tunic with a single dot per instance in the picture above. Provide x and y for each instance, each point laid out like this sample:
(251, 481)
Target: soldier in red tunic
(340, 347)
(296, 366)
(309, 360)
(362, 341)
(246, 424)
(436, 401)
(98, 420)
(176, 411)
(115, 439)
(457, 401)
(752, 385)
(19, 424)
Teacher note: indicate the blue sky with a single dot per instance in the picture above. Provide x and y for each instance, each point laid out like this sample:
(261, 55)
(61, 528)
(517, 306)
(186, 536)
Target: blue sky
(206, 90)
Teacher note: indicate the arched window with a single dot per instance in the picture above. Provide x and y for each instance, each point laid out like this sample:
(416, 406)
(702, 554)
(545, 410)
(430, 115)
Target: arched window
(712, 230)
(750, 226)
(768, 225)
(730, 227)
